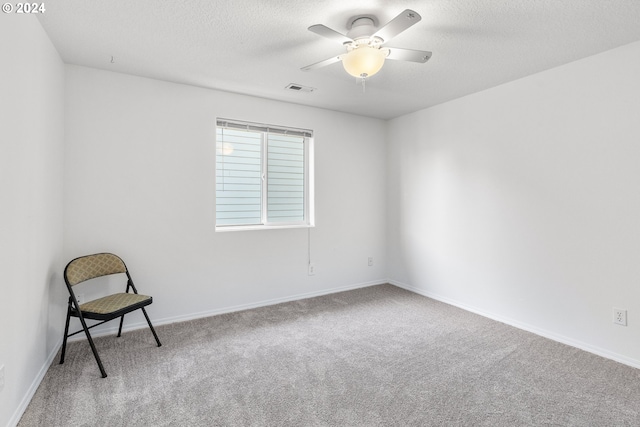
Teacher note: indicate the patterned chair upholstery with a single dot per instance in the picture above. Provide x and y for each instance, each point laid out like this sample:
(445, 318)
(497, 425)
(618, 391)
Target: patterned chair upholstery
(103, 309)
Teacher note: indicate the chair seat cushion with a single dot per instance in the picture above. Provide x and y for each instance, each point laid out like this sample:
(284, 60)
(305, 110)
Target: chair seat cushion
(114, 303)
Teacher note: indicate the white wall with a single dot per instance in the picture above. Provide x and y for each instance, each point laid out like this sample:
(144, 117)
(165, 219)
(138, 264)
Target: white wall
(522, 202)
(139, 182)
(31, 160)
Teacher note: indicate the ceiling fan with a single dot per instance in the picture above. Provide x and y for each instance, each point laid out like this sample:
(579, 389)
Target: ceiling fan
(365, 54)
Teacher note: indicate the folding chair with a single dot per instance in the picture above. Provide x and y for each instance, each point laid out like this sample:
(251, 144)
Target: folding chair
(102, 309)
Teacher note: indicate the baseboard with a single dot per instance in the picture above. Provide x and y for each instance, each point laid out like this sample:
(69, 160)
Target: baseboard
(15, 418)
(232, 309)
(524, 326)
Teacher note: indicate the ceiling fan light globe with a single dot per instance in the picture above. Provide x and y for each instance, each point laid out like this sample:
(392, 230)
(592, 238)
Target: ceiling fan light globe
(365, 61)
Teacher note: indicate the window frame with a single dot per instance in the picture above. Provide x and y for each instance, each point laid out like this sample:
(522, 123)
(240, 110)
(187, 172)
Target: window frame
(308, 164)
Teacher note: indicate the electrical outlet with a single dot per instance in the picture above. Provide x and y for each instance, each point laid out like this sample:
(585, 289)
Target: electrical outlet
(620, 316)
(370, 261)
(80, 299)
(312, 269)
(1, 377)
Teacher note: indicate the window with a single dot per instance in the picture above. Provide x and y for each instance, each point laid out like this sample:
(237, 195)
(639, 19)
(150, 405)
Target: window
(263, 176)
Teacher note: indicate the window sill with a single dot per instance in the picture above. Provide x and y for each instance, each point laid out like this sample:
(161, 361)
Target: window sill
(260, 227)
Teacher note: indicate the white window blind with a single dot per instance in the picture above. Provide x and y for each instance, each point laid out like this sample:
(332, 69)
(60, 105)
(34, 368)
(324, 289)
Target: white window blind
(262, 175)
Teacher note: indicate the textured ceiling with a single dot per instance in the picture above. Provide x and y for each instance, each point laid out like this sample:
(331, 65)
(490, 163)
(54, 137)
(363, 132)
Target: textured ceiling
(257, 47)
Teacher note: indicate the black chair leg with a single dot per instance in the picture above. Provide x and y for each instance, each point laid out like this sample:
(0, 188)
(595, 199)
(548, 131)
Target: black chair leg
(151, 327)
(66, 333)
(93, 347)
(120, 328)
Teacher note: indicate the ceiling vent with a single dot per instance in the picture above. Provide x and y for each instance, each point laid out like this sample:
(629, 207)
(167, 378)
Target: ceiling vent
(299, 88)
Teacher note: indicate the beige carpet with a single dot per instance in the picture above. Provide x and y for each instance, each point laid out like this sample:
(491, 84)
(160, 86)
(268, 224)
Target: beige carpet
(379, 356)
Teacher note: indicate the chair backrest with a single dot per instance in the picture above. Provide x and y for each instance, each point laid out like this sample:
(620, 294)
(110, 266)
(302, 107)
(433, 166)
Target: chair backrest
(92, 266)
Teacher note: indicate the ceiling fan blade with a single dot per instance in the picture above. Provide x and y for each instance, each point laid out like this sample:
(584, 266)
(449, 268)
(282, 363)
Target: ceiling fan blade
(397, 25)
(321, 64)
(408, 55)
(327, 32)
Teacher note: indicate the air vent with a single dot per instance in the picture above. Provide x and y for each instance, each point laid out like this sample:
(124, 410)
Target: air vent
(299, 88)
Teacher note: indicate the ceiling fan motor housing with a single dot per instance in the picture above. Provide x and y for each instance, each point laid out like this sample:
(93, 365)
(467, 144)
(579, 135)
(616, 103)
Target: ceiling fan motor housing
(362, 27)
